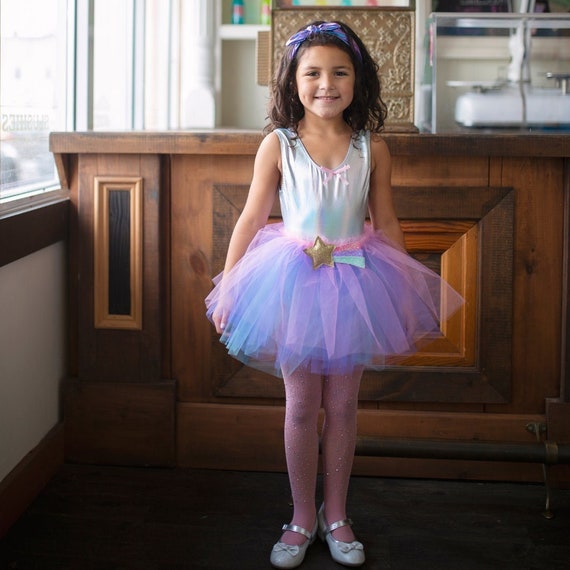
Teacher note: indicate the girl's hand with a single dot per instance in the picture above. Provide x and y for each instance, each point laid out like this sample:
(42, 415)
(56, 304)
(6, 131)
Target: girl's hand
(220, 318)
(260, 199)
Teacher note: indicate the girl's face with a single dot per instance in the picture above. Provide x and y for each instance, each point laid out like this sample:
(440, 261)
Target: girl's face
(325, 81)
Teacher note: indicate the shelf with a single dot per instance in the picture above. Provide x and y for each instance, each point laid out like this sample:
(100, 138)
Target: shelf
(241, 31)
(493, 48)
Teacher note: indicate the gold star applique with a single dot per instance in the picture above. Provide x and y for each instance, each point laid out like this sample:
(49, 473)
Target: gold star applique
(320, 253)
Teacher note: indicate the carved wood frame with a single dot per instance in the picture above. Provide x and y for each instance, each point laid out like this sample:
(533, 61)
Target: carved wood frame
(103, 186)
(471, 363)
(388, 34)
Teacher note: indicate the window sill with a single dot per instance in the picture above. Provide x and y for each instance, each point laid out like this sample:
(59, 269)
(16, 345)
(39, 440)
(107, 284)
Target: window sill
(30, 224)
(18, 206)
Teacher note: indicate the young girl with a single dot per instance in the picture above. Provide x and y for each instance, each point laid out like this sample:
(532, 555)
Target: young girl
(322, 295)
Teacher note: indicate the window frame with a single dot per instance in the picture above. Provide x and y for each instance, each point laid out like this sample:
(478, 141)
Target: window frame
(33, 196)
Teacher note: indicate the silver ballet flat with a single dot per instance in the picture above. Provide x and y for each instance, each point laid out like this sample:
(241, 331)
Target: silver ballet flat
(345, 553)
(288, 555)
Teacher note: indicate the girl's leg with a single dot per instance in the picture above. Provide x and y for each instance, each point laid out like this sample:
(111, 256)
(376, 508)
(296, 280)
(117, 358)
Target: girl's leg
(303, 392)
(338, 441)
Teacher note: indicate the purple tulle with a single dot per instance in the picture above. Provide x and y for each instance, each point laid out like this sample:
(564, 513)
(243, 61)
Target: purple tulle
(283, 313)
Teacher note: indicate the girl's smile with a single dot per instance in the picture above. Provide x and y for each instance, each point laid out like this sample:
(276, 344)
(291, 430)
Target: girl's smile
(325, 81)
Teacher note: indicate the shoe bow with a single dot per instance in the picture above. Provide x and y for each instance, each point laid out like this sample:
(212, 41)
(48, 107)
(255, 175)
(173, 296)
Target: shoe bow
(346, 547)
(293, 550)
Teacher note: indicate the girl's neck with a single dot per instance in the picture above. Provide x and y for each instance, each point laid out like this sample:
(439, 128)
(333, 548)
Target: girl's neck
(325, 129)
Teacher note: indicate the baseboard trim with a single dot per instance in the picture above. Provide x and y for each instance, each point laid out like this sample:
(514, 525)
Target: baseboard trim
(23, 484)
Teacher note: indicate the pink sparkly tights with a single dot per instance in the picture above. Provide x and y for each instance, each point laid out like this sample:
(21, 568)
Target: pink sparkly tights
(305, 394)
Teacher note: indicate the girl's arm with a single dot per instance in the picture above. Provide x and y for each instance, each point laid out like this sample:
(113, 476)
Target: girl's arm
(380, 202)
(254, 216)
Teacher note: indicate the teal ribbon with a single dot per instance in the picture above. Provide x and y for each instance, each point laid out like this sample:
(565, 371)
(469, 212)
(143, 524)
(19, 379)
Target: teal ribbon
(356, 259)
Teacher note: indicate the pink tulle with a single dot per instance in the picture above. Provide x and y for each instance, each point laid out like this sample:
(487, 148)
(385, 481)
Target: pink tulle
(282, 312)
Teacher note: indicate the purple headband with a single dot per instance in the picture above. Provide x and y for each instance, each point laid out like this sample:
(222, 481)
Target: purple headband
(331, 28)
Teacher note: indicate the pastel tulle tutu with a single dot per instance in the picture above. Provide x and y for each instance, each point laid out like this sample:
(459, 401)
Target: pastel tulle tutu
(283, 313)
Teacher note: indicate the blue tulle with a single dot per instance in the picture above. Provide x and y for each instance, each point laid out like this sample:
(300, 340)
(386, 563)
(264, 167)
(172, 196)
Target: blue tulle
(284, 313)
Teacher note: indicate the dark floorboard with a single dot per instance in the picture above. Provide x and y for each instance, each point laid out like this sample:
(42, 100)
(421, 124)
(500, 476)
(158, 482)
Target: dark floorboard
(112, 518)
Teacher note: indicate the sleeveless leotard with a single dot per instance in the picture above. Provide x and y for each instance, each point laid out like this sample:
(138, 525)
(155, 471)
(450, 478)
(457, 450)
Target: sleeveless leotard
(316, 201)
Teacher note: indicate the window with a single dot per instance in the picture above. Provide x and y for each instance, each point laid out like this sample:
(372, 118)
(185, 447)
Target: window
(35, 57)
(117, 58)
(80, 65)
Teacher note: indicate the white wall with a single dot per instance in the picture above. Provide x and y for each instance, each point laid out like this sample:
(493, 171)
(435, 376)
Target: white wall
(244, 103)
(32, 351)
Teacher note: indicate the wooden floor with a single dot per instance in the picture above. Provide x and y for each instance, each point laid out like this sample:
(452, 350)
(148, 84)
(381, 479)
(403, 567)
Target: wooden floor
(111, 518)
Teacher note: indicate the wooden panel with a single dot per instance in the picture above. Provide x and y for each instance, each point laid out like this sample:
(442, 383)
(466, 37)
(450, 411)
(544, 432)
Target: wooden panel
(490, 379)
(431, 171)
(73, 270)
(243, 142)
(537, 280)
(558, 421)
(193, 181)
(165, 278)
(210, 142)
(470, 203)
(472, 144)
(132, 355)
(213, 436)
(468, 369)
(457, 344)
(120, 423)
(455, 203)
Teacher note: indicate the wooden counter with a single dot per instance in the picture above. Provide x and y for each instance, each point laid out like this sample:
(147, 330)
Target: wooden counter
(246, 142)
(150, 222)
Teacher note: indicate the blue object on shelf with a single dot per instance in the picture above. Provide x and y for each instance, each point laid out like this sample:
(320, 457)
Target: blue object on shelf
(237, 12)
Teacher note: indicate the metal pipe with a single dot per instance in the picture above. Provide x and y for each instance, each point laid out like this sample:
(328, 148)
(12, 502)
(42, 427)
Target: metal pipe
(546, 452)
